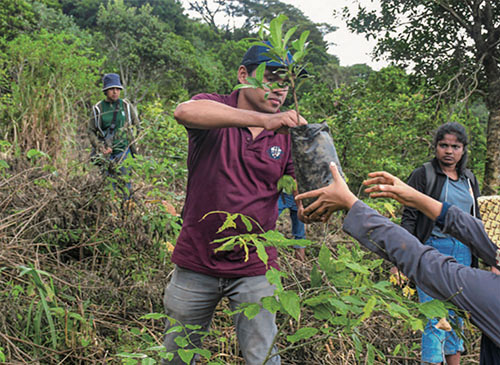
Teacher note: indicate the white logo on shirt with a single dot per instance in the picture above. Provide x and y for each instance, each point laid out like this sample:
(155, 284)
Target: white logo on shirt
(275, 152)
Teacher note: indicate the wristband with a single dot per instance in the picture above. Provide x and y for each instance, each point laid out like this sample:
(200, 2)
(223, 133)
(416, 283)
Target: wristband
(442, 215)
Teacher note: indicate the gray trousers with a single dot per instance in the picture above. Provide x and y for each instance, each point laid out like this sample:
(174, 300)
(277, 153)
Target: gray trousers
(191, 299)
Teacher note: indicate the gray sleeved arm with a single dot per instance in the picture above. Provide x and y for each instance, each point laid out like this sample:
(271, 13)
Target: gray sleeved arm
(476, 291)
(470, 232)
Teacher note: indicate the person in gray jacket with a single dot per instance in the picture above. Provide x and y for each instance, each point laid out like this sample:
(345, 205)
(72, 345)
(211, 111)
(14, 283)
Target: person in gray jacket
(473, 290)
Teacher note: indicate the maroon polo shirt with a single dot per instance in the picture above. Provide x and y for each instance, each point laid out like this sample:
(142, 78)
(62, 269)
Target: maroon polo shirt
(231, 172)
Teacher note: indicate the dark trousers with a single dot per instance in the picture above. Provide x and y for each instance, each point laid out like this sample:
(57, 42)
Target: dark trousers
(490, 353)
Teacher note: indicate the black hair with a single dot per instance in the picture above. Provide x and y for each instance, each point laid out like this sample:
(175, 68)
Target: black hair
(458, 131)
(252, 68)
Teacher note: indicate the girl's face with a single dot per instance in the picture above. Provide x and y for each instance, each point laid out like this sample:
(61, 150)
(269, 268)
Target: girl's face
(449, 151)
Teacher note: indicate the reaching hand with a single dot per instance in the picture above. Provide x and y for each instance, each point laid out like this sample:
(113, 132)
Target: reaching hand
(281, 122)
(386, 185)
(331, 198)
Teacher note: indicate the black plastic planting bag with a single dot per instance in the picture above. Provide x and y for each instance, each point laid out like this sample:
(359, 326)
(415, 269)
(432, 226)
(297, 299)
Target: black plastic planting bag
(312, 152)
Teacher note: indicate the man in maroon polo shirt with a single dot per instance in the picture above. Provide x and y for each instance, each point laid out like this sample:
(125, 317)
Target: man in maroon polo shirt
(238, 150)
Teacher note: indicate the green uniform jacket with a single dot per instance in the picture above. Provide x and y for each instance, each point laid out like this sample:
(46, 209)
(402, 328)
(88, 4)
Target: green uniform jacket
(97, 134)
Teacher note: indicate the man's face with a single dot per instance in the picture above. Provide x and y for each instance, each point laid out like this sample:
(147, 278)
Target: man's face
(255, 99)
(112, 94)
(449, 151)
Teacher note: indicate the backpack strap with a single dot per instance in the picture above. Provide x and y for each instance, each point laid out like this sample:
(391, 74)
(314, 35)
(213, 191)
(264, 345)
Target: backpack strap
(468, 174)
(127, 108)
(97, 118)
(430, 178)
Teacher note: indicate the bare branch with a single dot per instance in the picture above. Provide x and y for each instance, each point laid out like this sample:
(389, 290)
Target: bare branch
(207, 14)
(475, 79)
(463, 22)
(470, 4)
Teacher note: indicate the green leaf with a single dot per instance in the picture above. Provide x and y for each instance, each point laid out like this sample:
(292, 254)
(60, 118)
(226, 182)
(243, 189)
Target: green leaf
(203, 352)
(302, 334)
(130, 362)
(337, 266)
(323, 298)
(193, 326)
(246, 222)
(276, 31)
(175, 329)
(252, 310)
(49, 320)
(368, 309)
(288, 35)
(243, 86)
(274, 277)
(228, 223)
(395, 352)
(287, 183)
(355, 299)
(302, 39)
(323, 313)
(370, 355)
(255, 83)
(383, 286)
(354, 266)
(229, 243)
(58, 311)
(291, 303)
(245, 248)
(316, 279)
(433, 309)
(261, 251)
(35, 154)
(357, 343)
(416, 324)
(275, 238)
(186, 355)
(135, 331)
(302, 242)
(397, 310)
(76, 316)
(324, 258)
(154, 316)
(259, 72)
(271, 304)
(4, 145)
(297, 56)
(340, 306)
(261, 32)
(181, 341)
(137, 355)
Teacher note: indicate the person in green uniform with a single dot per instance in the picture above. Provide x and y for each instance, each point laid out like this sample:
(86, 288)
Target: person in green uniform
(111, 127)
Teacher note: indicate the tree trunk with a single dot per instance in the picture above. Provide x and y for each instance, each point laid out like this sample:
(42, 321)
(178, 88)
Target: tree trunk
(491, 183)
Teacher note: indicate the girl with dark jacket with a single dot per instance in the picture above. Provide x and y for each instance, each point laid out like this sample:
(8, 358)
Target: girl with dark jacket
(450, 182)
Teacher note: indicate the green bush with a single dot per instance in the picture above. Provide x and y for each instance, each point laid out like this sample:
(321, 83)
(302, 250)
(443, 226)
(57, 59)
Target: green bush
(384, 123)
(52, 75)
